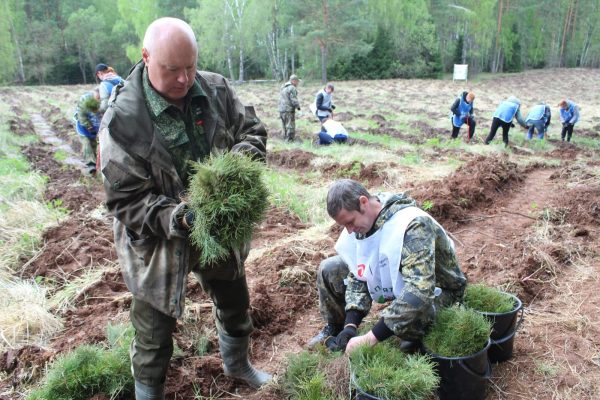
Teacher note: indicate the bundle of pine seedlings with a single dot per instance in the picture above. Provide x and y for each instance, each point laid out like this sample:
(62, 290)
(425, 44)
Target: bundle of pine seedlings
(457, 332)
(320, 375)
(91, 371)
(385, 372)
(229, 198)
(487, 299)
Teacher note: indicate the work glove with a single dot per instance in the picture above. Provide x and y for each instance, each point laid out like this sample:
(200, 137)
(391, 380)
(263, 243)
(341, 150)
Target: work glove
(187, 221)
(340, 342)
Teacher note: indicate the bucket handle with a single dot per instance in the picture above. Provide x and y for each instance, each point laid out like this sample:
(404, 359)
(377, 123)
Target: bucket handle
(520, 321)
(486, 375)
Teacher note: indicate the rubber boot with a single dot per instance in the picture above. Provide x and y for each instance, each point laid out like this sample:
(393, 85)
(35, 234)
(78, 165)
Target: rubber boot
(234, 352)
(145, 392)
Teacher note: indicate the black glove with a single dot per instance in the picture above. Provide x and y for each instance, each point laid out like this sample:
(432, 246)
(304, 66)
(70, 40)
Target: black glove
(332, 107)
(187, 221)
(511, 124)
(341, 340)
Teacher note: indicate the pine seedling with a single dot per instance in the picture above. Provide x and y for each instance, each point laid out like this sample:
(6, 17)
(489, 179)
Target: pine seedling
(383, 371)
(457, 332)
(229, 198)
(487, 299)
(91, 370)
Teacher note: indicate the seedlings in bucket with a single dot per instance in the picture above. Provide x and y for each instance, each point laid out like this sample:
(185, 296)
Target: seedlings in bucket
(457, 332)
(384, 372)
(487, 299)
(229, 198)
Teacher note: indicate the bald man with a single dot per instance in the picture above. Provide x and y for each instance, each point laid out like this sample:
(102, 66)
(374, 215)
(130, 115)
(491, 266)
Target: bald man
(165, 114)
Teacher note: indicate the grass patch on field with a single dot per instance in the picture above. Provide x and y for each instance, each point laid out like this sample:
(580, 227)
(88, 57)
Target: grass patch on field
(288, 191)
(384, 140)
(25, 316)
(593, 143)
(21, 228)
(65, 298)
(60, 155)
(91, 370)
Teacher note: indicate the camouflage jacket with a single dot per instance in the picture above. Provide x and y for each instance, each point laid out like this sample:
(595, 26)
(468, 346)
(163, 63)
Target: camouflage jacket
(143, 188)
(288, 98)
(428, 261)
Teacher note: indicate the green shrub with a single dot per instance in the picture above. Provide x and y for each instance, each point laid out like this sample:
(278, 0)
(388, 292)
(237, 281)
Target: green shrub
(90, 370)
(384, 371)
(229, 198)
(457, 332)
(486, 299)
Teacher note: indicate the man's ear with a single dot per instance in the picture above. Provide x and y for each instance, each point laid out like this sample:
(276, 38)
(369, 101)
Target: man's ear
(145, 55)
(363, 201)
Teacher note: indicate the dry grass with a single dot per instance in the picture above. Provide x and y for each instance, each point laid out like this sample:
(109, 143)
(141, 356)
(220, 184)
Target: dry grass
(75, 288)
(25, 316)
(21, 228)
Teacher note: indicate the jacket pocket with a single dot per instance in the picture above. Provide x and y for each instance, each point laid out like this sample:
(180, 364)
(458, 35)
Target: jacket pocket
(142, 246)
(124, 179)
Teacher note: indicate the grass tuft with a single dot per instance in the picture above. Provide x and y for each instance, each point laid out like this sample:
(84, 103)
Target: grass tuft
(25, 317)
(229, 198)
(457, 332)
(486, 299)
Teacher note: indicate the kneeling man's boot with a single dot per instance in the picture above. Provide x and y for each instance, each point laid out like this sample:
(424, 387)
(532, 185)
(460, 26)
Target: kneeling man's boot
(145, 392)
(234, 352)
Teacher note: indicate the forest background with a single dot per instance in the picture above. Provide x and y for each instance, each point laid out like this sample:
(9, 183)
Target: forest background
(60, 41)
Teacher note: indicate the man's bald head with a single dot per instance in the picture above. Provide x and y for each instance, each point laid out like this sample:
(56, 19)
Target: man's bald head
(170, 53)
(164, 29)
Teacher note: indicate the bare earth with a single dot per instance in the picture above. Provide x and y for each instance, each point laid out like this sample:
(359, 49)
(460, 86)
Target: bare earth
(494, 205)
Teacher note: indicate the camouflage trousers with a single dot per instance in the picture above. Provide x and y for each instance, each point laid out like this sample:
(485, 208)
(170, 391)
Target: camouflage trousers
(409, 318)
(331, 285)
(152, 346)
(288, 121)
(89, 147)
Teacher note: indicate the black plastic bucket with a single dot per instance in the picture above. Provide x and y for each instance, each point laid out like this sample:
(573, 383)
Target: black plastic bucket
(504, 328)
(463, 378)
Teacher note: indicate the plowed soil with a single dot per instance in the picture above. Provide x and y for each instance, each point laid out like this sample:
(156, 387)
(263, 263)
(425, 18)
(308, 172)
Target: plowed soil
(532, 229)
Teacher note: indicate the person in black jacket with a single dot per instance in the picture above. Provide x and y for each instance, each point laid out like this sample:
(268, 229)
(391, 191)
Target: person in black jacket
(462, 110)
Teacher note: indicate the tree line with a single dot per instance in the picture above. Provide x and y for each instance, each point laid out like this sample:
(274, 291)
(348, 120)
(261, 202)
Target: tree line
(60, 41)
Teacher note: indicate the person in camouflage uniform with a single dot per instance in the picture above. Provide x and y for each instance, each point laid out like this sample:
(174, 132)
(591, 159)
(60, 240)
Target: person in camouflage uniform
(288, 104)
(165, 114)
(390, 251)
(87, 121)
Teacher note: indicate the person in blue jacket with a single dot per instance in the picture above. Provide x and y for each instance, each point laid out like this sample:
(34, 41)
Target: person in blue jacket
(108, 80)
(462, 110)
(569, 116)
(538, 119)
(508, 110)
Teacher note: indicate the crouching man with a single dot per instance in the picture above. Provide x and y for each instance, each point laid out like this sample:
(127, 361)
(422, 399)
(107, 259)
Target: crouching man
(391, 251)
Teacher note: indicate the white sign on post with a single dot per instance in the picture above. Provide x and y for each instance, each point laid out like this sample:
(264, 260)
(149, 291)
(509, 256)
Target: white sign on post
(460, 72)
